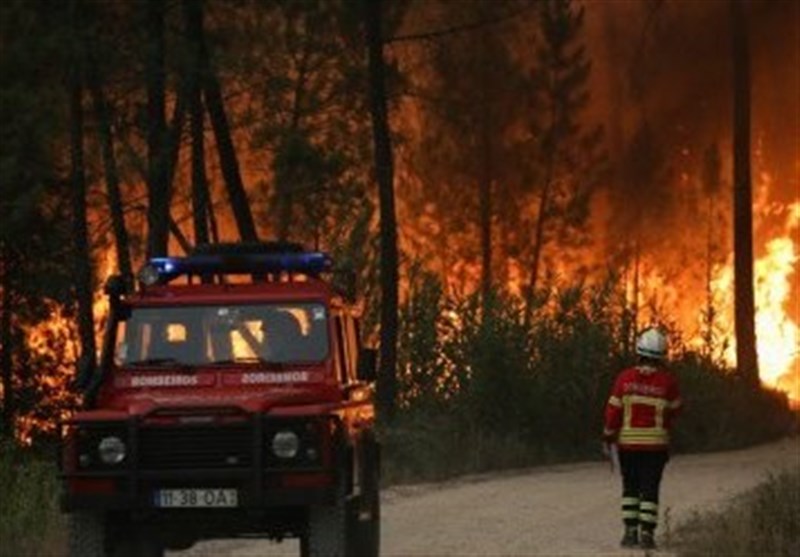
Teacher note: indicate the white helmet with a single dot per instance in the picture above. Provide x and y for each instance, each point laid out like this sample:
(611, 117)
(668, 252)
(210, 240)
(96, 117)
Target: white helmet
(652, 344)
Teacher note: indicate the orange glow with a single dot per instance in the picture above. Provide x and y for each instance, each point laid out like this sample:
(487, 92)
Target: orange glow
(777, 335)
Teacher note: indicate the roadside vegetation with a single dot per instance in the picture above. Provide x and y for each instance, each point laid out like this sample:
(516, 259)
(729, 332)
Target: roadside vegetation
(502, 391)
(763, 521)
(482, 388)
(30, 521)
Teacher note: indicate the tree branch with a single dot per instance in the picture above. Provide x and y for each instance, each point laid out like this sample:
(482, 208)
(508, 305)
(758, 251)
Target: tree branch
(429, 35)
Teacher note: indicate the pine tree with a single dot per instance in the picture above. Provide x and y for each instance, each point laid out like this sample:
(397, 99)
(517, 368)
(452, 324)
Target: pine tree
(744, 304)
(567, 163)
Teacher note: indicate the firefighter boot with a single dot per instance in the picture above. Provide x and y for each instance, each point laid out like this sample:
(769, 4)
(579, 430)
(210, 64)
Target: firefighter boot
(631, 537)
(648, 539)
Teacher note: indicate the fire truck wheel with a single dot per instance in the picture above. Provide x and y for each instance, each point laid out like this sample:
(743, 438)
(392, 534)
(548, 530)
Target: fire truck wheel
(367, 519)
(328, 534)
(87, 535)
(138, 547)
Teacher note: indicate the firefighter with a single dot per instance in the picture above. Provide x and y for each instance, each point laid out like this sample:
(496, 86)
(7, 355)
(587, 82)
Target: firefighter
(640, 411)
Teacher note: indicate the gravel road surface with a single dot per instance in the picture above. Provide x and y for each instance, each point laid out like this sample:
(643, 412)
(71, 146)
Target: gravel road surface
(568, 509)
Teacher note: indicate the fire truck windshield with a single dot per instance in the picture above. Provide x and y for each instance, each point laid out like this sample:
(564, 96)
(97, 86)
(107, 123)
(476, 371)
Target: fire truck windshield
(208, 335)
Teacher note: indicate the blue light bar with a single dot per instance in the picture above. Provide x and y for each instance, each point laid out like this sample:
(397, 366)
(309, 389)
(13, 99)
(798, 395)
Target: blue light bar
(309, 263)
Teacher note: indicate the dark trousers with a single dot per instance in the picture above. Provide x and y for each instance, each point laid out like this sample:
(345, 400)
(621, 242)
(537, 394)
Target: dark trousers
(641, 480)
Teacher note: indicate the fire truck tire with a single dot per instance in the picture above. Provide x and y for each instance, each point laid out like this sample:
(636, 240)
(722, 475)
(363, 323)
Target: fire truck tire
(138, 547)
(367, 521)
(87, 533)
(329, 532)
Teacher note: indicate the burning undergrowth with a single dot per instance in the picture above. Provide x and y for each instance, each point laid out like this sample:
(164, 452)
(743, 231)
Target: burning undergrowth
(638, 203)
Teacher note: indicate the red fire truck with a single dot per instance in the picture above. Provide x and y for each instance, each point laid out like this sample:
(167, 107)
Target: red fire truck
(232, 398)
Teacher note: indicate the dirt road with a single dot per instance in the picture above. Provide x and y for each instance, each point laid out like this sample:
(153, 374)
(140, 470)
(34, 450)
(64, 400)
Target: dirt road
(555, 510)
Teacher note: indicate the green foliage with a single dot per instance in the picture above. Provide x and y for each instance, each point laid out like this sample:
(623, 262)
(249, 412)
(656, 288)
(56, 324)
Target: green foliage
(763, 521)
(30, 522)
(36, 262)
(487, 391)
(302, 63)
(422, 364)
(722, 411)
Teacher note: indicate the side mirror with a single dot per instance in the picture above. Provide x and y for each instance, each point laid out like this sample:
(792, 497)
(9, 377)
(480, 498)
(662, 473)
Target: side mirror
(115, 286)
(367, 365)
(115, 289)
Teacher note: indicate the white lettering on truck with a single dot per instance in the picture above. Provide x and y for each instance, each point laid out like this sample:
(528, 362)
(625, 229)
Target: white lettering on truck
(287, 377)
(164, 380)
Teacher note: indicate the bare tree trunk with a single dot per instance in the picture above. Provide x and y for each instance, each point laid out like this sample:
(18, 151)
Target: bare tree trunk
(80, 232)
(538, 241)
(6, 345)
(485, 207)
(384, 173)
(286, 181)
(229, 163)
(173, 142)
(102, 114)
(193, 14)
(550, 148)
(157, 169)
(637, 273)
(744, 297)
(212, 220)
(180, 237)
(711, 184)
(709, 313)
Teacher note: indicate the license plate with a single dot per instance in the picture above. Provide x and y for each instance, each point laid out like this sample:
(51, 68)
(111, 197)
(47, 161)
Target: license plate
(196, 498)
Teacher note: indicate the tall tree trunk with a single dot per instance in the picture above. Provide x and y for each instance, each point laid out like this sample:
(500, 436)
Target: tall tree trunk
(709, 316)
(103, 117)
(229, 163)
(637, 274)
(711, 184)
(212, 220)
(193, 14)
(157, 168)
(6, 345)
(180, 237)
(384, 173)
(550, 148)
(288, 180)
(485, 208)
(744, 298)
(80, 232)
(173, 141)
(538, 241)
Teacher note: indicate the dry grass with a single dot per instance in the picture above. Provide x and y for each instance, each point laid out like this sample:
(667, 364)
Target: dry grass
(763, 521)
(30, 521)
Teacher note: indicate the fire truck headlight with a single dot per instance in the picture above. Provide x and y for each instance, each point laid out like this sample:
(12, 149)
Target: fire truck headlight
(285, 444)
(112, 450)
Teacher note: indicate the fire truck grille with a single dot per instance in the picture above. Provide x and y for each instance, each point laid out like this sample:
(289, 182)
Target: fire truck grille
(172, 448)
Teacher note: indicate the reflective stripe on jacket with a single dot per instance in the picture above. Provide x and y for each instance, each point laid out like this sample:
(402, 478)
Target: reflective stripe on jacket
(641, 408)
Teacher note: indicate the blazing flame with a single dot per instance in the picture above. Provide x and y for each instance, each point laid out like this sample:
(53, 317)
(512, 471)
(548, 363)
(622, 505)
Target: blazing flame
(777, 335)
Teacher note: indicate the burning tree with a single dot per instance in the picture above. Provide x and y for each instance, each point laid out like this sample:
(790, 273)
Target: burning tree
(566, 162)
(744, 314)
(212, 120)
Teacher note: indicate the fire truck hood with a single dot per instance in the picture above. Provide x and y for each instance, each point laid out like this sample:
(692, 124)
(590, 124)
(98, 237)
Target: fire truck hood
(146, 392)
